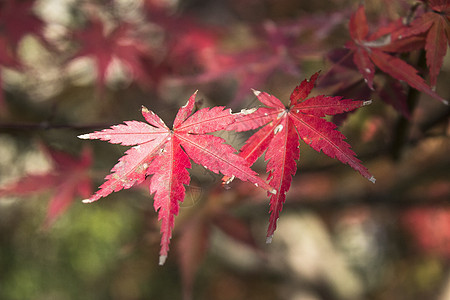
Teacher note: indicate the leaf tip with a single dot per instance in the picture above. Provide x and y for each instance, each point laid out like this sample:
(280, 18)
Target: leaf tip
(256, 92)
(144, 109)
(162, 259)
(372, 179)
(269, 239)
(228, 180)
(84, 136)
(368, 102)
(445, 102)
(87, 201)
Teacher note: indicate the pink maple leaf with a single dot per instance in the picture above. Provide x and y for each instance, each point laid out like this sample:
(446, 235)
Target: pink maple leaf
(165, 154)
(281, 131)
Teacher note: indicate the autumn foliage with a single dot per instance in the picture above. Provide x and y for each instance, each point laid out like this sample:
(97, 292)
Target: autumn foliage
(340, 68)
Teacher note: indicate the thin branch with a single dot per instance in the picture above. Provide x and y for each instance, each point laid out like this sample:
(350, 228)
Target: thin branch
(46, 125)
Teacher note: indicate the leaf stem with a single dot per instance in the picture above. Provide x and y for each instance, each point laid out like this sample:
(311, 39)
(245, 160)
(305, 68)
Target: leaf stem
(46, 125)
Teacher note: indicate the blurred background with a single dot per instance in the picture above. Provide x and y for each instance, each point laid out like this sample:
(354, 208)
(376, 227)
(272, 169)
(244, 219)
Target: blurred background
(69, 67)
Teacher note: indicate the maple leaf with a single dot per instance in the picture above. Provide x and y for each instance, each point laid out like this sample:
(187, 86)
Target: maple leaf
(435, 24)
(281, 131)
(345, 80)
(369, 50)
(104, 47)
(165, 154)
(68, 178)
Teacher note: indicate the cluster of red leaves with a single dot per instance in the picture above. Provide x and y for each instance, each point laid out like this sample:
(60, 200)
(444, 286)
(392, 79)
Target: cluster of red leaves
(429, 31)
(165, 153)
(194, 55)
(171, 47)
(435, 26)
(278, 51)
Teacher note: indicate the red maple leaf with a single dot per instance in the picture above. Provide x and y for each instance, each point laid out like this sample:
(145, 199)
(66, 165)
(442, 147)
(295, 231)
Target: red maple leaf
(345, 80)
(165, 154)
(435, 24)
(104, 46)
(68, 178)
(281, 131)
(370, 50)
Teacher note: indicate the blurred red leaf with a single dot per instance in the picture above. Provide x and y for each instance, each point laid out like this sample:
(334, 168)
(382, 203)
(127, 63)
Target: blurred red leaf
(278, 50)
(196, 233)
(68, 178)
(17, 20)
(431, 229)
(119, 43)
